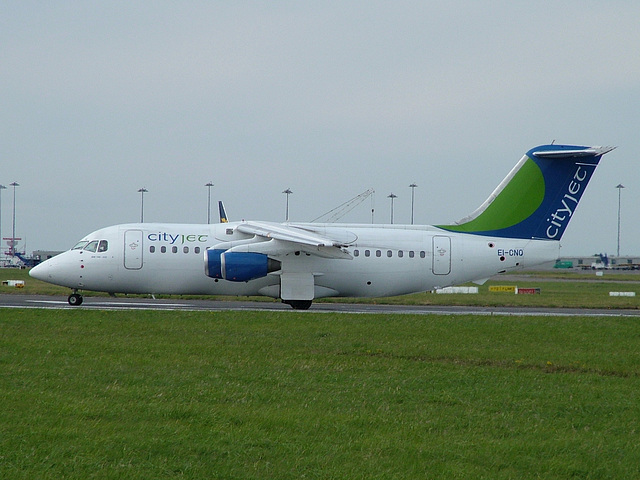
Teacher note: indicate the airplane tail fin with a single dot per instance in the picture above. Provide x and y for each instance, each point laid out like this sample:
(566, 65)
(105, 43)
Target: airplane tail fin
(223, 213)
(538, 197)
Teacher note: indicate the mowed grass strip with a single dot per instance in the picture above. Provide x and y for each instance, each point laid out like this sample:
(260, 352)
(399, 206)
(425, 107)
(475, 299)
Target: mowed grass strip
(248, 395)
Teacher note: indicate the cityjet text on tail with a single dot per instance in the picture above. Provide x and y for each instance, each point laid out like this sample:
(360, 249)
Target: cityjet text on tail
(519, 225)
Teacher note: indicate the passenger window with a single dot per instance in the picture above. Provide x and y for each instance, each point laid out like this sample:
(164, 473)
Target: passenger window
(367, 253)
(389, 253)
(103, 246)
(174, 249)
(410, 253)
(378, 253)
(196, 250)
(356, 253)
(92, 246)
(163, 249)
(422, 254)
(185, 249)
(400, 253)
(152, 249)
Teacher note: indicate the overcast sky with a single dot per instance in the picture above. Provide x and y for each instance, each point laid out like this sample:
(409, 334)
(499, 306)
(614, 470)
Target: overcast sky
(99, 99)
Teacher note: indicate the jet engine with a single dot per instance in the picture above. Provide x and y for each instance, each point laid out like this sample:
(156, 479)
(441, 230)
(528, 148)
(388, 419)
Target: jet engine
(238, 266)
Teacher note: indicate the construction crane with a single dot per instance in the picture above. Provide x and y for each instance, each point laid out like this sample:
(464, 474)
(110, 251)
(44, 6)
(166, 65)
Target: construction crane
(341, 210)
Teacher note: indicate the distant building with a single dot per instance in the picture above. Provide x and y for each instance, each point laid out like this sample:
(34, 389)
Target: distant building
(42, 255)
(600, 261)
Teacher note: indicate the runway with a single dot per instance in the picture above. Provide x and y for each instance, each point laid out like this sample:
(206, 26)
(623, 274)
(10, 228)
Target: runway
(131, 304)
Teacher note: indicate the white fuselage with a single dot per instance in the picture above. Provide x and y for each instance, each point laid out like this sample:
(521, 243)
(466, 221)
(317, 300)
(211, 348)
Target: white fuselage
(385, 260)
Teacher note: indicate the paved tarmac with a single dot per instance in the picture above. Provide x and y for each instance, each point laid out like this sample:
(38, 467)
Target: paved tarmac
(124, 303)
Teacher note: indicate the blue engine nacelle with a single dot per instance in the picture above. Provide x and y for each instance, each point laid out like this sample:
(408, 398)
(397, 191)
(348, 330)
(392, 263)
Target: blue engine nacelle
(237, 266)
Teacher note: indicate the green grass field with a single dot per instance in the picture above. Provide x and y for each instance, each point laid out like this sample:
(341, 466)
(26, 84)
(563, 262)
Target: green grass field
(248, 395)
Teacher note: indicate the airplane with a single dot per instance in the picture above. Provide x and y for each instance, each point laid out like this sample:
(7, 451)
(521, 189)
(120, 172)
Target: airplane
(223, 213)
(519, 225)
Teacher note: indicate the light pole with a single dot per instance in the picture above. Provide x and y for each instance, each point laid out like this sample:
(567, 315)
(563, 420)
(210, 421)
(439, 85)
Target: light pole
(2, 187)
(142, 191)
(619, 187)
(287, 192)
(12, 248)
(392, 196)
(209, 185)
(12, 244)
(413, 188)
(372, 208)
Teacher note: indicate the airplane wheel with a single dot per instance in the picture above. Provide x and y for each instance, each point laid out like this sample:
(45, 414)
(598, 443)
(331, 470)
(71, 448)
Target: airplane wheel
(75, 299)
(299, 304)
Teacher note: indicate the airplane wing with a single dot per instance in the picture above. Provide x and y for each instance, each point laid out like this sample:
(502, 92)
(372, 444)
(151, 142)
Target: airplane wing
(287, 233)
(282, 239)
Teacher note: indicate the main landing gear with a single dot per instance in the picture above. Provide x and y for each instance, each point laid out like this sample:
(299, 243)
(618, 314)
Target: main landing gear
(75, 299)
(298, 304)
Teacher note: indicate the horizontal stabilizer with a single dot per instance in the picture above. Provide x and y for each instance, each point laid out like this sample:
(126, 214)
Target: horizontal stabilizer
(587, 152)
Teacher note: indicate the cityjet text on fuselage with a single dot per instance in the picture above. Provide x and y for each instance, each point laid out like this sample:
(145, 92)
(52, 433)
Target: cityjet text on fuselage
(568, 203)
(177, 238)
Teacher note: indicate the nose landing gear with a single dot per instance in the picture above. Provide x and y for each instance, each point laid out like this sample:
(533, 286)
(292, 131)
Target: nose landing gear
(75, 299)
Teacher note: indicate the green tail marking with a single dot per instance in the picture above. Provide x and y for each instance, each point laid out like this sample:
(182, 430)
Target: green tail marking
(519, 199)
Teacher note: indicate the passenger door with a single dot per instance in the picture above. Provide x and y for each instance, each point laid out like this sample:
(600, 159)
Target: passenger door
(133, 248)
(441, 255)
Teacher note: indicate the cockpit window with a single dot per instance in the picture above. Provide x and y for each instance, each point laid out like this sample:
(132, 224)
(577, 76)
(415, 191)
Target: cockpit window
(91, 246)
(80, 245)
(103, 246)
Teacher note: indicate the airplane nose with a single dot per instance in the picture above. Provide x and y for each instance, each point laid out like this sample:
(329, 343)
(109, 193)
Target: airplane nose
(40, 272)
(57, 270)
